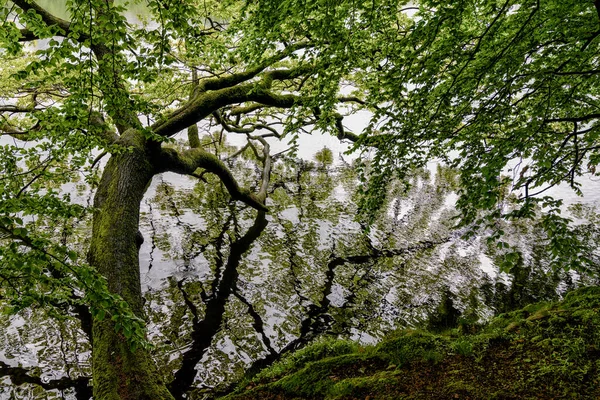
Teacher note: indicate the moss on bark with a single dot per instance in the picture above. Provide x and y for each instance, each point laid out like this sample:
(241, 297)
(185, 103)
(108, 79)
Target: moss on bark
(118, 372)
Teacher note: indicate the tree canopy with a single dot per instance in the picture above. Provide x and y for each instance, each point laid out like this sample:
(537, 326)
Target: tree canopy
(96, 101)
(505, 91)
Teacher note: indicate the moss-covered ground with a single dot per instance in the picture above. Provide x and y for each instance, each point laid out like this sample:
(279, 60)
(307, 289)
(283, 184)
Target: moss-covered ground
(544, 351)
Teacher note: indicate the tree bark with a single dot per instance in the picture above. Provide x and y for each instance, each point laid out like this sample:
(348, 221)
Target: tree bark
(119, 373)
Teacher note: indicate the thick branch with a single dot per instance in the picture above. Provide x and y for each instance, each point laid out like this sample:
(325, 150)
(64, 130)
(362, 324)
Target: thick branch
(266, 173)
(187, 162)
(48, 18)
(235, 79)
(16, 109)
(27, 35)
(239, 110)
(206, 103)
(342, 133)
(7, 129)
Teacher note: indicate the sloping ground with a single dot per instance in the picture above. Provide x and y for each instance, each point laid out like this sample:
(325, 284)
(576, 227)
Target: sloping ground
(544, 351)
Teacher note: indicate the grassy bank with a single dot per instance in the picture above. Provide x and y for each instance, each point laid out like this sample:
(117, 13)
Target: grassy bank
(544, 351)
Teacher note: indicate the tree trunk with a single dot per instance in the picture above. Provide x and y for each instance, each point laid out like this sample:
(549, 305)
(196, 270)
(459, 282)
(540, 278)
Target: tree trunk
(117, 372)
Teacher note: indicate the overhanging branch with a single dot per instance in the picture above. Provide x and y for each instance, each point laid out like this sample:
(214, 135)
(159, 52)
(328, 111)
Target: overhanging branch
(206, 103)
(187, 162)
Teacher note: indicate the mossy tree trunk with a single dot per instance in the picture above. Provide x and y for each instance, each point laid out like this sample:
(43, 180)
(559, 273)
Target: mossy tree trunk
(118, 372)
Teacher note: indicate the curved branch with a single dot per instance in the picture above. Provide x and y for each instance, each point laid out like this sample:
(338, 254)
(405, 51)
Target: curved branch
(339, 126)
(187, 162)
(206, 103)
(342, 132)
(247, 129)
(266, 172)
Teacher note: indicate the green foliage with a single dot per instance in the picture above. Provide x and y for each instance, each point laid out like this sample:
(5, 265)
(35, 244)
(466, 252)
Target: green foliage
(407, 346)
(324, 157)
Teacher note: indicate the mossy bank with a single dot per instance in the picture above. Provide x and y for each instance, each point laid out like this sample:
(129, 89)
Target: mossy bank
(544, 351)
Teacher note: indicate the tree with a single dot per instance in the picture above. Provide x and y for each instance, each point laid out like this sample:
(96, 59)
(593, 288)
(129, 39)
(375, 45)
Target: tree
(505, 91)
(84, 96)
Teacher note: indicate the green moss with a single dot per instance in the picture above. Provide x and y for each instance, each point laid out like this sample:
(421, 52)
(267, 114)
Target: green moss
(378, 385)
(317, 378)
(120, 372)
(454, 387)
(317, 351)
(588, 297)
(406, 346)
(543, 351)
